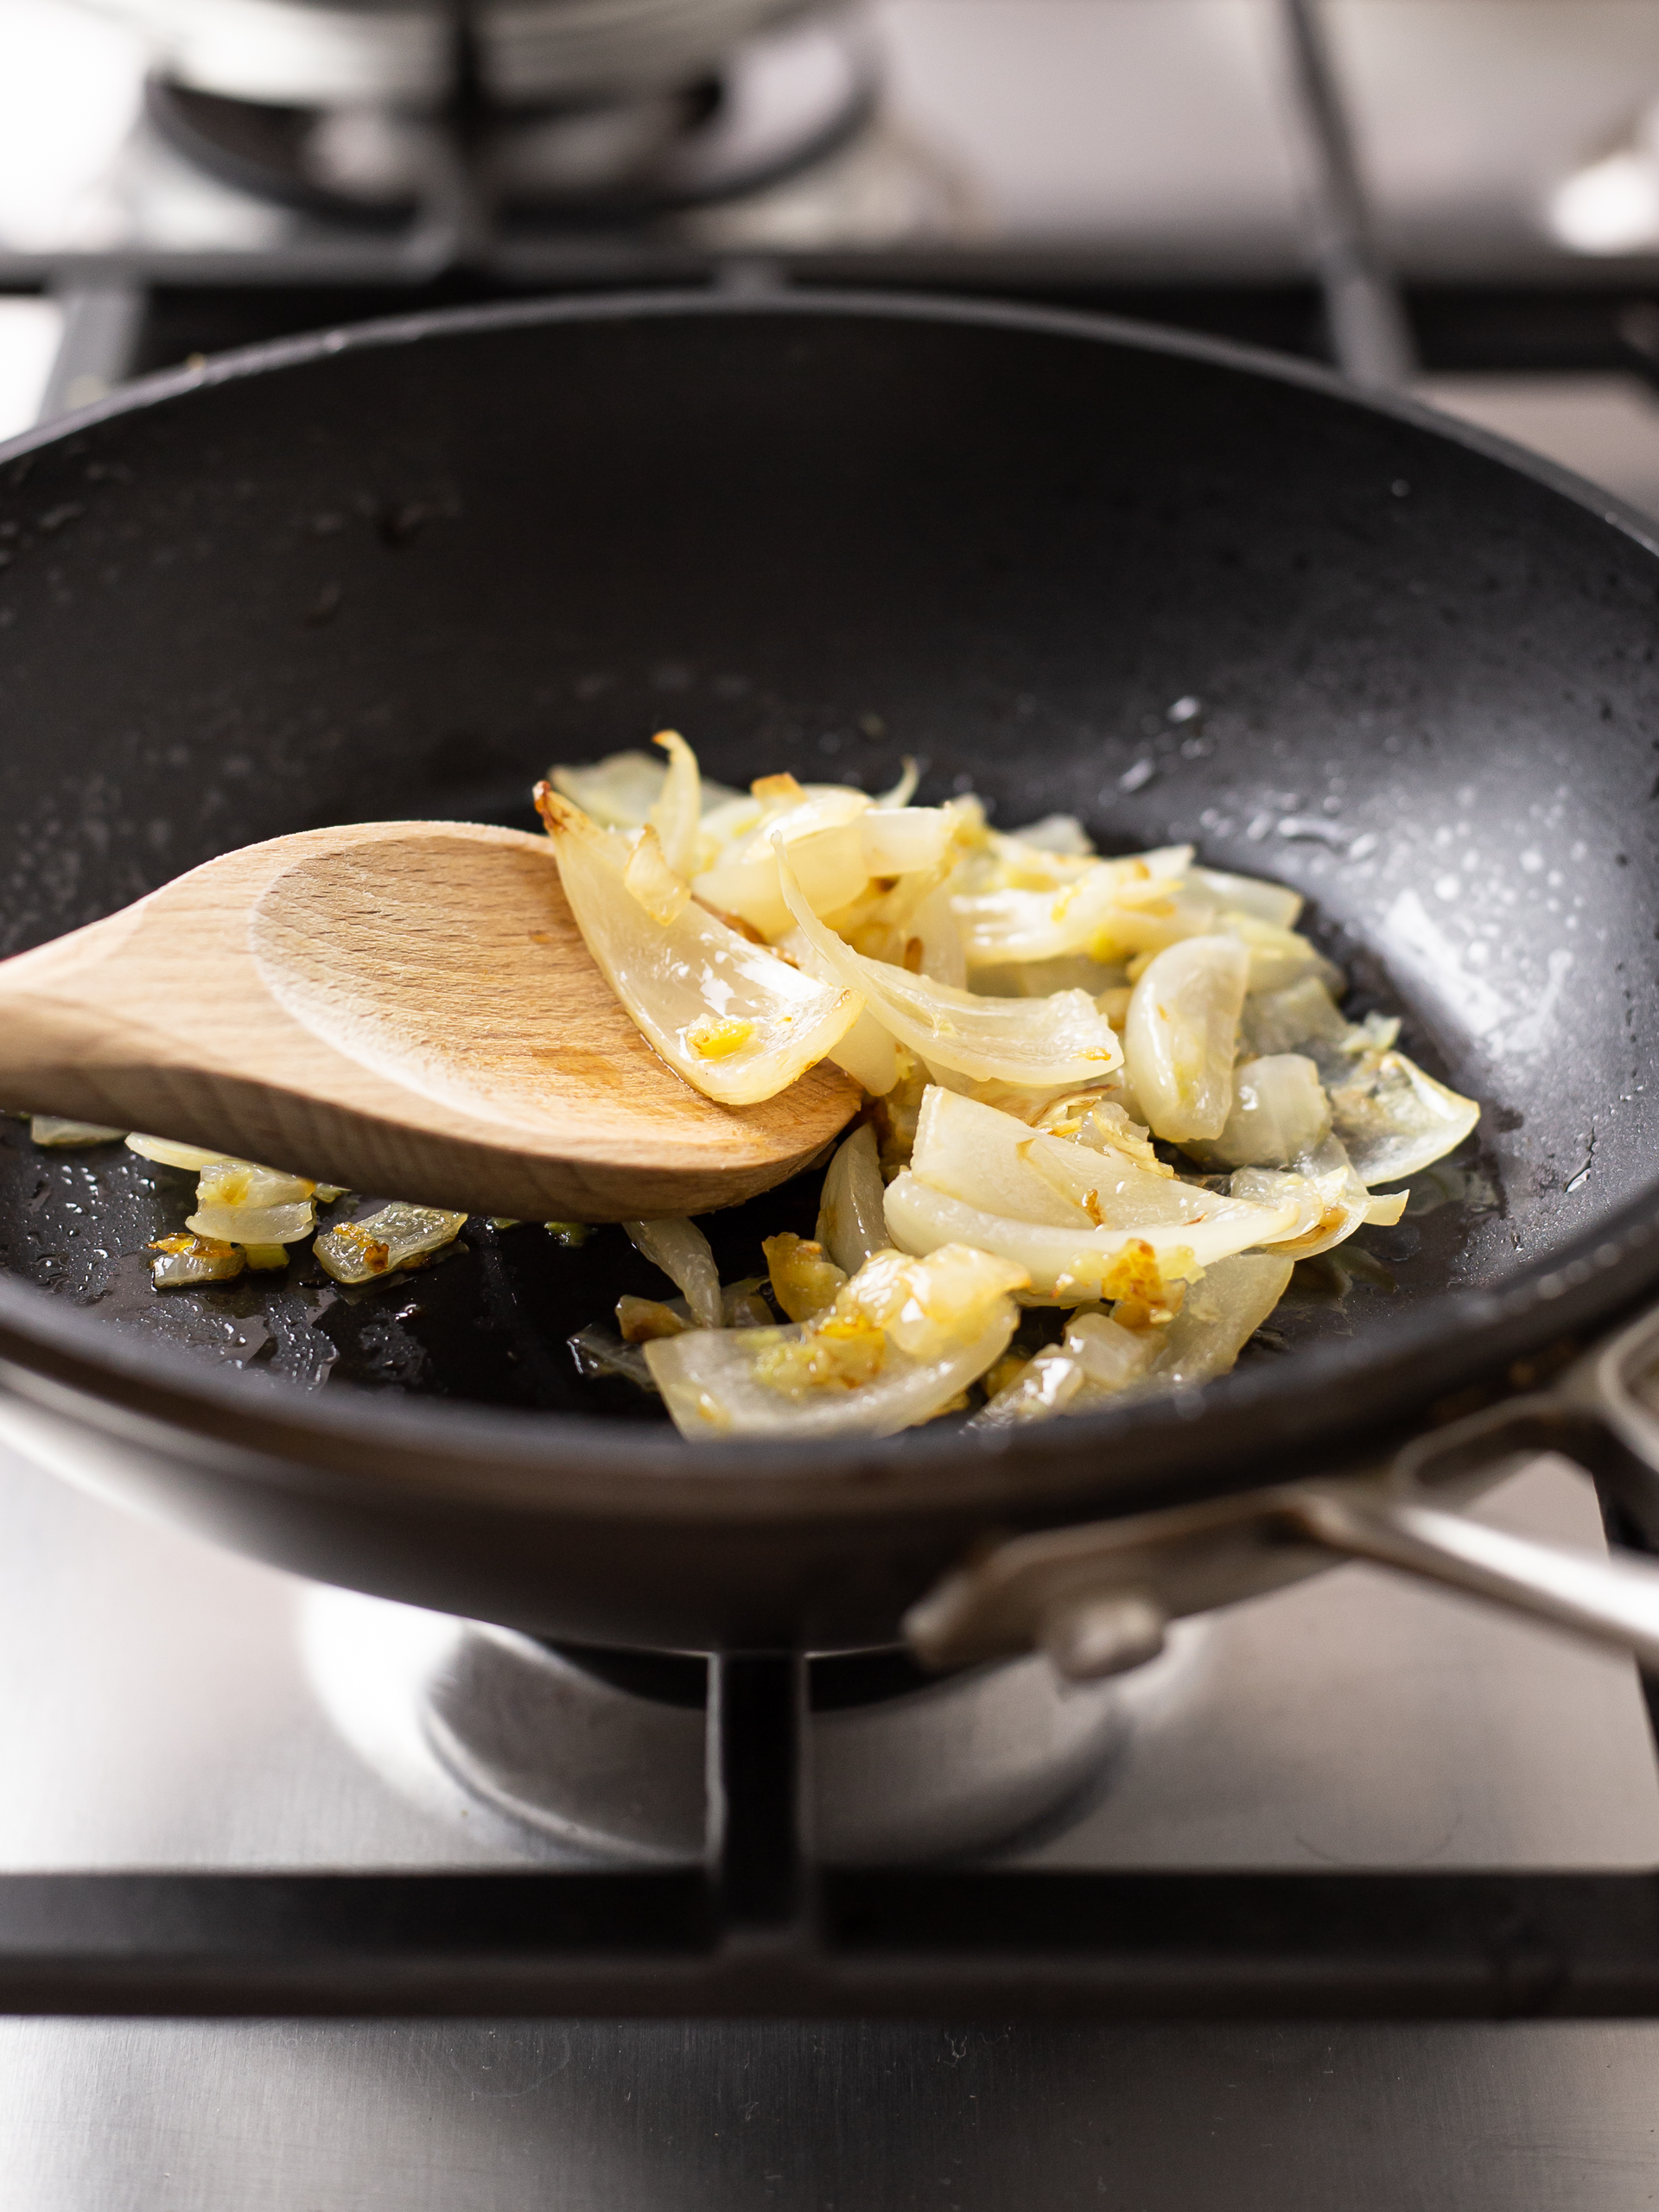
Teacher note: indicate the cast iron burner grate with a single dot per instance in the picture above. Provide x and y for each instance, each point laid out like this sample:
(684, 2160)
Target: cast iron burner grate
(595, 161)
(759, 1930)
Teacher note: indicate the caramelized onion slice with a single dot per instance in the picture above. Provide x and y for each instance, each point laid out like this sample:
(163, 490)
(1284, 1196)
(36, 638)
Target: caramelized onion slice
(902, 1339)
(1074, 1266)
(851, 1226)
(1038, 1043)
(363, 1251)
(56, 1134)
(678, 812)
(1179, 1037)
(679, 1248)
(620, 791)
(1097, 1358)
(736, 1021)
(1395, 1119)
(1217, 1320)
(1279, 1112)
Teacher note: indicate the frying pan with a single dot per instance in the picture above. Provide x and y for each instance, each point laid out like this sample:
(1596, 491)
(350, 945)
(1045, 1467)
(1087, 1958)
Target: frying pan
(1181, 590)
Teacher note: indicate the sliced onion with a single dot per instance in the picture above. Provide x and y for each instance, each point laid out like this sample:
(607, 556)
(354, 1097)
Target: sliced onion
(1113, 1191)
(1395, 1119)
(867, 1054)
(235, 1183)
(55, 1134)
(903, 790)
(245, 1204)
(1103, 1124)
(994, 1161)
(972, 1151)
(1035, 1042)
(805, 1281)
(925, 1302)
(903, 1339)
(1217, 1320)
(1278, 957)
(677, 813)
(1069, 1267)
(932, 930)
(1057, 833)
(823, 826)
(617, 792)
(192, 1157)
(181, 1261)
(737, 1022)
(1272, 1186)
(1043, 1387)
(1179, 1037)
(1114, 911)
(1300, 1018)
(709, 1384)
(910, 926)
(679, 1248)
(640, 1319)
(648, 878)
(901, 840)
(1105, 908)
(598, 1350)
(620, 791)
(363, 1251)
(1344, 1200)
(1110, 1356)
(1279, 1112)
(851, 1225)
(1249, 895)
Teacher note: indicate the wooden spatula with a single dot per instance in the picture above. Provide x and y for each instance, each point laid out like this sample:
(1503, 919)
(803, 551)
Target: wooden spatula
(405, 1008)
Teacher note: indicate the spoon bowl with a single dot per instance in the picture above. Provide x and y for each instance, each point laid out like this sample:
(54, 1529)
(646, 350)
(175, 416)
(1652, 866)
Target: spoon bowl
(403, 1007)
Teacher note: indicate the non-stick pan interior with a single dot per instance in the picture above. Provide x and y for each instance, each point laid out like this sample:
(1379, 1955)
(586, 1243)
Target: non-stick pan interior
(1182, 598)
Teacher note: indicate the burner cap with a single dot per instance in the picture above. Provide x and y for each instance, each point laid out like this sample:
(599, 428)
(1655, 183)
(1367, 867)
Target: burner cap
(601, 1754)
(778, 105)
(344, 53)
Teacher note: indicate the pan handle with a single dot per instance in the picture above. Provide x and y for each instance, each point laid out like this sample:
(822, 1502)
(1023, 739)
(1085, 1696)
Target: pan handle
(1613, 1601)
(1098, 1598)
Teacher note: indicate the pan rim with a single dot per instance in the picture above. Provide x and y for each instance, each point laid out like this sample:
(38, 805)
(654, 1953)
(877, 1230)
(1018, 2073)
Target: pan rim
(1349, 1402)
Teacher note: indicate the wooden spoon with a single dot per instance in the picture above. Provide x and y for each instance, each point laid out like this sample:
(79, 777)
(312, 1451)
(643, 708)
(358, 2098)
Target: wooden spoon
(405, 1008)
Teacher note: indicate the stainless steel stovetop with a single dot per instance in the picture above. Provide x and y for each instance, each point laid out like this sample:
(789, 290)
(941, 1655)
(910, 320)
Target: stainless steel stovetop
(165, 1704)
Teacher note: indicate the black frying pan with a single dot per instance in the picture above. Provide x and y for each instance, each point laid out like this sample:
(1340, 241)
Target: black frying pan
(397, 571)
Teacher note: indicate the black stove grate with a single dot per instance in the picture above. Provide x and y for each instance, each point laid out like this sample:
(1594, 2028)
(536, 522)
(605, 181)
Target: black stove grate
(760, 1931)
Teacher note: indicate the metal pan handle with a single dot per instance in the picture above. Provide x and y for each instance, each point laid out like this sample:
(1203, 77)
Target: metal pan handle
(1098, 1598)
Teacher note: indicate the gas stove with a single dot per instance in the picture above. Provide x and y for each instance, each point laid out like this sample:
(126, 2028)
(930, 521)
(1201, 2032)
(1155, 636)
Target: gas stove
(1443, 196)
(173, 1709)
